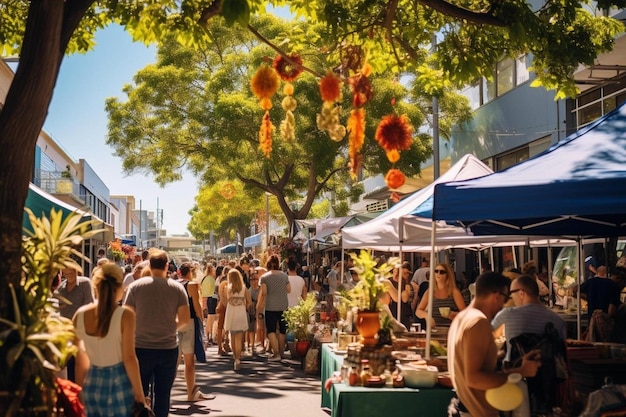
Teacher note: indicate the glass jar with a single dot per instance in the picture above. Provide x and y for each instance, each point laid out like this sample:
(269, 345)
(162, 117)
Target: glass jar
(366, 372)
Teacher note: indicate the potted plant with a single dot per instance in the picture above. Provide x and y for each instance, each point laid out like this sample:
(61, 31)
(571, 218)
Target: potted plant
(298, 318)
(35, 344)
(366, 293)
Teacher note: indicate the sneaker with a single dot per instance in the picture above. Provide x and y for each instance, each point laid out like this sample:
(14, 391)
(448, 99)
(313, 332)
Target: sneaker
(275, 358)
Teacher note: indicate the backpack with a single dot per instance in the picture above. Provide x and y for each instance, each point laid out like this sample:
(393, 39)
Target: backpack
(543, 389)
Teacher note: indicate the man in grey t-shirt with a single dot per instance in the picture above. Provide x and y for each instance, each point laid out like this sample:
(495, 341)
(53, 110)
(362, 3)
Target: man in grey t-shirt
(161, 308)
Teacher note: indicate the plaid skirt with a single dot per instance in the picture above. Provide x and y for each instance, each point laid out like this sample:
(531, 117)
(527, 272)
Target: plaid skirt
(107, 392)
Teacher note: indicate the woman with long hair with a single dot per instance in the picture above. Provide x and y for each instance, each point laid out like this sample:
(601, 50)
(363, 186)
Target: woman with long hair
(106, 364)
(236, 317)
(446, 297)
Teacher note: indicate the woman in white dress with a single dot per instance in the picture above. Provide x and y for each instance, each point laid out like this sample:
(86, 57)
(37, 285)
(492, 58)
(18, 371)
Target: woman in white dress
(236, 319)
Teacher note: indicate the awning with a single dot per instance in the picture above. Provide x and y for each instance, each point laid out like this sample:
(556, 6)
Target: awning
(41, 203)
(232, 248)
(254, 240)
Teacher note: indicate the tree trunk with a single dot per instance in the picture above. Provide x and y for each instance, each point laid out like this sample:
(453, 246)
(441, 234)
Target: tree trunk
(21, 120)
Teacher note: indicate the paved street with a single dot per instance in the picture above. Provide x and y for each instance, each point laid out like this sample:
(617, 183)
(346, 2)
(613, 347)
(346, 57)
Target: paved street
(259, 389)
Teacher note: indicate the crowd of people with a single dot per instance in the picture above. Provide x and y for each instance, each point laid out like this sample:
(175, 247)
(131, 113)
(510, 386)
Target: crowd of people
(134, 329)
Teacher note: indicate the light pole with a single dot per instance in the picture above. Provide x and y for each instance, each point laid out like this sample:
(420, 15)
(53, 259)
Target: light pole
(267, 219)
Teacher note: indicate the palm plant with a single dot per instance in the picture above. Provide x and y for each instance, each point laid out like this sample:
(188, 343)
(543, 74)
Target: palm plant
(39, 341)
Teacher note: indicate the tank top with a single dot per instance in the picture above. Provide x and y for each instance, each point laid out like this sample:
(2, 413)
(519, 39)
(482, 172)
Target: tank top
(107, 350)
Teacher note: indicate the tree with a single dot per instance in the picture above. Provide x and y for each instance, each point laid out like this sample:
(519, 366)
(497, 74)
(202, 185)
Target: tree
(559, 34)
(195, 108)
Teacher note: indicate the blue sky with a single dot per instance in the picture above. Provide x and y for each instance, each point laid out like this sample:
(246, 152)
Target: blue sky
(78, 122)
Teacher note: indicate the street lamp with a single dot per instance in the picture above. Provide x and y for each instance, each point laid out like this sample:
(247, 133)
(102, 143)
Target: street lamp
(267, 219)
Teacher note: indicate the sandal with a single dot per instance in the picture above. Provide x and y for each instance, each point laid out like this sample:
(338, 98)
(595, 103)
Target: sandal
(198, 395)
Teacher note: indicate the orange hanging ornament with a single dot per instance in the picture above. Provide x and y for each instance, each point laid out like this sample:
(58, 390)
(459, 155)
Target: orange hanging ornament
(394, 133)
(356, 129)
(228, 191)
(264, 84)
(395, 178)
(265, 135)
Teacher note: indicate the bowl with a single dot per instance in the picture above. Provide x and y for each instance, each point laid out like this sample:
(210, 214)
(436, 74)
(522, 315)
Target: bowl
(423, 376)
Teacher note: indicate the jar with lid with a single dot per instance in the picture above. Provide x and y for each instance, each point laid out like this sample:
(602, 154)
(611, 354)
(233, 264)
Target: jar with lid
(323, 311)
(366, 372)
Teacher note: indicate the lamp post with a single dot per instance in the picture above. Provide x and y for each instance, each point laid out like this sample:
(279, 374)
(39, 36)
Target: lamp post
(267, 219)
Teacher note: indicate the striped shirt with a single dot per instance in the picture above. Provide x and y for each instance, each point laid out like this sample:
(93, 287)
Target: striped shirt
(528, 318)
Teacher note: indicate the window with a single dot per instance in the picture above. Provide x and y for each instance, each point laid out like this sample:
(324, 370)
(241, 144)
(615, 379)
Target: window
(511, 158)
(504, 71)
(521, 69)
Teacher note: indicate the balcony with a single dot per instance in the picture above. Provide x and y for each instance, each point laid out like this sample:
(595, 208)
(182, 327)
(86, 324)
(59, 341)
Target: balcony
(59, 183)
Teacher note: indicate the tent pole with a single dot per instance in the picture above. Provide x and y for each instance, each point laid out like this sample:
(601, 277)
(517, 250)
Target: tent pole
(491, 259)
(513, 248)
(400, 240)
(551, 286)
(343, 263)
(581, 271)
(431, 290)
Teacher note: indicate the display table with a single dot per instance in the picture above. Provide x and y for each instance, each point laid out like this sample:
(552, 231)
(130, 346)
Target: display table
(331, 362)
(347, 401)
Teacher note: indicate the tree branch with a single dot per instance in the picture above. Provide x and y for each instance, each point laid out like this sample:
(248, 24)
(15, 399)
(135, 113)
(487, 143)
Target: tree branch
(457, 12)
(281, 52)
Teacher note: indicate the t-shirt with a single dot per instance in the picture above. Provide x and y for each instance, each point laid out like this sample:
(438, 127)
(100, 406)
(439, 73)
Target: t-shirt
(276, 286)
(79, 296)
(297, 284)
(208, 287)
(601, 292)
(156, 302)
(529, 318)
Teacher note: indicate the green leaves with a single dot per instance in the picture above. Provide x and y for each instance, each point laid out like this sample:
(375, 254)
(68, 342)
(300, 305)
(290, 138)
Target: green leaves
(236, 11)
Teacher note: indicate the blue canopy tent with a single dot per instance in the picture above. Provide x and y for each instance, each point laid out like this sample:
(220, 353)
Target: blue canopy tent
(232, 248)
(254, 240)
(576, 188)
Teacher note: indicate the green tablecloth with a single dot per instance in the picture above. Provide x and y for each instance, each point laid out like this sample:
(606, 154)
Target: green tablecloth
(347, 401)
(331, 362)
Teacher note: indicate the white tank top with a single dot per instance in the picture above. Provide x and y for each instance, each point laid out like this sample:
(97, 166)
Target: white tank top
(103, 351)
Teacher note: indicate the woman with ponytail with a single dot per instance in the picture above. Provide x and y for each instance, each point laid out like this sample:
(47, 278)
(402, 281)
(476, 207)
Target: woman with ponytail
(106, 364)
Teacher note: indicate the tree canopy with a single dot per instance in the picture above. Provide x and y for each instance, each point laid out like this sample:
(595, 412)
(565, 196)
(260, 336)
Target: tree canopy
(194, 107)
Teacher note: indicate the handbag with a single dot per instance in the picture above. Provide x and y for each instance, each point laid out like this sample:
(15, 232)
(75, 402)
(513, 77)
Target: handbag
(141, 410)
(198, 344)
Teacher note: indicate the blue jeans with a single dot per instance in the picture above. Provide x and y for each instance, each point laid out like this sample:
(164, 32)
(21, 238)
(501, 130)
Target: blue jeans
(158, 366)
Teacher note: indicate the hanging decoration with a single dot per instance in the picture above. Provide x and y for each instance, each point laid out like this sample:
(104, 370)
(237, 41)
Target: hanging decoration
(328, 119)
(394, 134)
(264, 84)
(361, 93)
(228, 190)
(395, 178)
(288, 70)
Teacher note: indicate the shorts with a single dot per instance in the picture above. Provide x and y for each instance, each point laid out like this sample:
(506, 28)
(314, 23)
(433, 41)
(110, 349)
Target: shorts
(221, 315)
(186, 340)
(273, 320)
(211, 305)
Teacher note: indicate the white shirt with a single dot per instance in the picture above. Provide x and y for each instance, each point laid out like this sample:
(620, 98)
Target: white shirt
(297, 284)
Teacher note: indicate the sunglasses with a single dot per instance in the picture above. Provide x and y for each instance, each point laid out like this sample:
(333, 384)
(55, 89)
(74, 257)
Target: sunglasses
(440, 271)
(506, 296)
(514, 291)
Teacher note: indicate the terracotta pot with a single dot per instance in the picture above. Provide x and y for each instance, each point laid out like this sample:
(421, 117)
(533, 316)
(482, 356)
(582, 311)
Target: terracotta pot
(368, 324)
(302, 347)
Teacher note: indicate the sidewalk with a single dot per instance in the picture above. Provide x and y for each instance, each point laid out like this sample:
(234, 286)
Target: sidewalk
(259, 389)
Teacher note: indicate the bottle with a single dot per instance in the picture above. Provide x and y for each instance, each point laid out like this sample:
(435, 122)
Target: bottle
(353, 377)
(366, 372)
